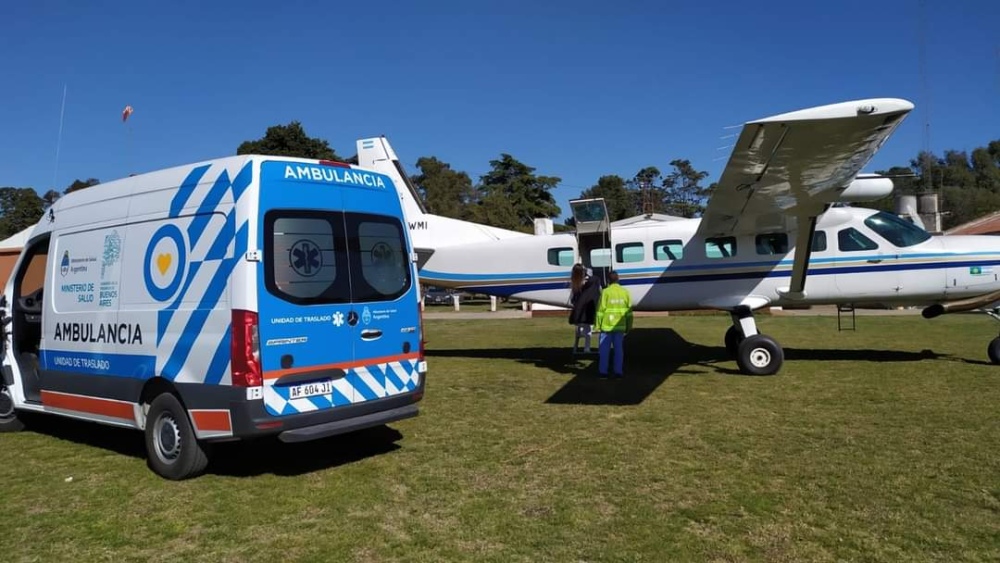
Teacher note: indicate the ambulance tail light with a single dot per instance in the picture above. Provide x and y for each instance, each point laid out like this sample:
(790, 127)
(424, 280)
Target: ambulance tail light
(245, 350)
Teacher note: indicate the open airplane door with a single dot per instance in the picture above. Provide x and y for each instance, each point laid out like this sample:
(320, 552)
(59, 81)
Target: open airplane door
(593, 235)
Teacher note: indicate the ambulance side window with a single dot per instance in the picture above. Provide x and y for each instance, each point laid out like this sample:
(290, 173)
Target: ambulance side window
(33, 273)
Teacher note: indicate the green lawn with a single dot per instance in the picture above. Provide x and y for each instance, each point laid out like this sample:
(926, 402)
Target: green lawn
(876, 445)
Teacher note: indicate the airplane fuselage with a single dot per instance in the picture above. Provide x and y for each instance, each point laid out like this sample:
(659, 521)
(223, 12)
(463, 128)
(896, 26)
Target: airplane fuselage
(858, 257)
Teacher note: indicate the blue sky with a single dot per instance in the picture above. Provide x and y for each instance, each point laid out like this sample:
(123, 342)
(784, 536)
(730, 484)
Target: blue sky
(575, 89)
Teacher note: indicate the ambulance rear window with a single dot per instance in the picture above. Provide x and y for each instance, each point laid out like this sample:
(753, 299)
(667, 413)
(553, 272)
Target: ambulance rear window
(380, 249)
(305, 257)
(315, 257)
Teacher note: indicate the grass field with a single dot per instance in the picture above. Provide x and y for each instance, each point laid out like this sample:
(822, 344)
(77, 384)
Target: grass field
(876, 445)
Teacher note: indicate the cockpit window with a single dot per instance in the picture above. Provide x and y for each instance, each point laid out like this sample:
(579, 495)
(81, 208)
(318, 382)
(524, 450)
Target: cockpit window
(851, 240)
(899, 232)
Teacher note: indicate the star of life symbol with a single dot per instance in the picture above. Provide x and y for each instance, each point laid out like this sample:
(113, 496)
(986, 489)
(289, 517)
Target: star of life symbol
(338, 319)
(305, 258)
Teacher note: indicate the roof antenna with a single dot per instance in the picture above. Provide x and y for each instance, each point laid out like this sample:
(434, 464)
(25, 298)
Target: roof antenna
(925, 166)
(62, 112)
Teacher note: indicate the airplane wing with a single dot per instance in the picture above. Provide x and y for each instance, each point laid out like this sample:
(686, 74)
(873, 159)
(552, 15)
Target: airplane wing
(784, 170)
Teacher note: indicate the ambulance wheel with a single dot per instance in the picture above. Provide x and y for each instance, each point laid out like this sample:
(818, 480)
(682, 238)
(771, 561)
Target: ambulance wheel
(733, 339)
(994, 350)
(171, 447)
(759, 355)
(8, 418)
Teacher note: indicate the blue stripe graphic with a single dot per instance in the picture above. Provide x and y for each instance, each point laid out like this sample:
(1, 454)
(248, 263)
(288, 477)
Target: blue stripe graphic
(543, 276)
(220, 280)
(503, 287)
(360, 386)
(390, 375)
(186, 189)
(241, 239)
(339, 398)
(378, 374)
(221, 244)
(242, 180)
(217, 369)
(196, 323)
(204, 214)
(164, 315)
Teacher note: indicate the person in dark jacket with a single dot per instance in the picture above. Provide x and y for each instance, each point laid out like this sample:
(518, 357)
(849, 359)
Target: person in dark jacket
(585, 292)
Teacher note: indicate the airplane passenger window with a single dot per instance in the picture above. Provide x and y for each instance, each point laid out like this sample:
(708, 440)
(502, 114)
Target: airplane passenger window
(668, 250)
(851, 240)
(819, 241)
(720, 247)
(895, 230)
(561, 256)
(600, 258)
(772, 243)
(629, 252)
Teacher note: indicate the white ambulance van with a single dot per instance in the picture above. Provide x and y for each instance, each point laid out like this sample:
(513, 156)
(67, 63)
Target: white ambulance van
(229, 299)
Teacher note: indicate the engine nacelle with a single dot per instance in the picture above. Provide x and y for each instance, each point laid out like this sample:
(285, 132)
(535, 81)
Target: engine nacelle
(866, 187)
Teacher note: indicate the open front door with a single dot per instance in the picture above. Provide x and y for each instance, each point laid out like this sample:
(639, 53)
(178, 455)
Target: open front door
(593, 235)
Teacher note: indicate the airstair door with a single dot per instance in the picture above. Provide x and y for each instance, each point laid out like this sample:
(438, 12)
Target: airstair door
(593, 235)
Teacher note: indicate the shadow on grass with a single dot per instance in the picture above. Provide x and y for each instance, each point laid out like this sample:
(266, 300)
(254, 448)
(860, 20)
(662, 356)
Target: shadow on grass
(651, 356)
(861, 355)
(234, 459)
(271, 456)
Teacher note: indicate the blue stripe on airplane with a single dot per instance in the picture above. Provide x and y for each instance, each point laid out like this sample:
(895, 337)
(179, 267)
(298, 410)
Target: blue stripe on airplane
(503, 288)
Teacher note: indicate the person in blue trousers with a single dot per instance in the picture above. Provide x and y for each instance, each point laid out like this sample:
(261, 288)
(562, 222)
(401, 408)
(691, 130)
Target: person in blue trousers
(614, 321)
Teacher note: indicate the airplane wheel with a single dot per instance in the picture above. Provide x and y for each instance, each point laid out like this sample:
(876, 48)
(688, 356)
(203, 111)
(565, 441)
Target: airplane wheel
(760, 355)
(994, 350)
(733, 339)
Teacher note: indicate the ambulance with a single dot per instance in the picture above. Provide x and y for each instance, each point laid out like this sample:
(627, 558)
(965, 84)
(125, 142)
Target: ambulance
(229, 299)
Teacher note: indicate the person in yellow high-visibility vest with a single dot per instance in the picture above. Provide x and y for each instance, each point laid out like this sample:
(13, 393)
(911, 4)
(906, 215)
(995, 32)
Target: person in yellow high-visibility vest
(614, 320)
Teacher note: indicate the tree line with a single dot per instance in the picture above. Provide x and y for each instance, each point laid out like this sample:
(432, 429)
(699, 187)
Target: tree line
(511, 195)
(968, 183)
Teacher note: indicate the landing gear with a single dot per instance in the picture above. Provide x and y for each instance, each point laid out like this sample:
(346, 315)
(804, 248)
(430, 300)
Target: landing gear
(734, 337)
(993, 350)
(755, 353)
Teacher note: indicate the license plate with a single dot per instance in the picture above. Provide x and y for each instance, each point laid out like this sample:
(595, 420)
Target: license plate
(310, 389)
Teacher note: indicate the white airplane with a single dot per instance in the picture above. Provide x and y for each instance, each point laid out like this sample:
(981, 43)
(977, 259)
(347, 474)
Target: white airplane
(773, 233)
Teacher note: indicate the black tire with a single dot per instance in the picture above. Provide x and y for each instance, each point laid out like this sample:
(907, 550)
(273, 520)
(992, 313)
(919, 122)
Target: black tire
(9, 422)
(760, 355)
(993, 351)
(172, 450)
(733, 338)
